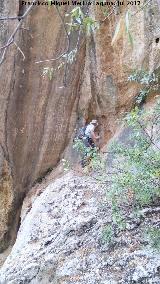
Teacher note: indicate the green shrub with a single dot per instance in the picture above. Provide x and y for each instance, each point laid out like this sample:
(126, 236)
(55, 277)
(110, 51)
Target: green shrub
(94, 158)
(107, 234)
(153, 235)
(136, 166)
(135, 181)
(134, 178)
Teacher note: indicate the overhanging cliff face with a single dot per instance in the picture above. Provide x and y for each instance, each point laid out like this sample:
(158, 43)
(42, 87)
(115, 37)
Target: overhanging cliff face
(38, 117)
(41, 111)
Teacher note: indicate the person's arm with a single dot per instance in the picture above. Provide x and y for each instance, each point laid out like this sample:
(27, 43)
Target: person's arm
(94, 137)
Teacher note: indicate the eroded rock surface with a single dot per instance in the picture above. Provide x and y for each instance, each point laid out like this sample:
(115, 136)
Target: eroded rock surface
(39, 115)
(61, 240)
(108, 66)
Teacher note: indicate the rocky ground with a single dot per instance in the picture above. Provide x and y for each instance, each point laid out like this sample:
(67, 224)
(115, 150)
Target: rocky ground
(61, 240)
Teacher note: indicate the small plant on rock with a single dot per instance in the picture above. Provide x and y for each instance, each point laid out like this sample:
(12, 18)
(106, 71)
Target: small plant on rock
(66, 165)
(107, 234)
(89, 156)
(149, 82)
(153, 235)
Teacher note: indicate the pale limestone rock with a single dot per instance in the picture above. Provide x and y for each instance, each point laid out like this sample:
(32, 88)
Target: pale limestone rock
(60, 241)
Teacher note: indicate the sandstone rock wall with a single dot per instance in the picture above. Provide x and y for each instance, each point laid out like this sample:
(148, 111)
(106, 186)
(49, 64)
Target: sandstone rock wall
(106, 92)
(38, 116)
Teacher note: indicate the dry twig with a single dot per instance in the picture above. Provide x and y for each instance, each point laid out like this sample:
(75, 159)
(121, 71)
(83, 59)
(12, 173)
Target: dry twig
(12, 36)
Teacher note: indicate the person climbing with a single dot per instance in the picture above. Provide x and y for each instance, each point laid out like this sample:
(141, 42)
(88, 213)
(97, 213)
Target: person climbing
(90, 138)
(90, 141)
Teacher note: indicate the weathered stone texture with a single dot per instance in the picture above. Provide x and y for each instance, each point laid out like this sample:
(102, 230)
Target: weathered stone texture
(61, 241)
(38, 116)
(105, 92)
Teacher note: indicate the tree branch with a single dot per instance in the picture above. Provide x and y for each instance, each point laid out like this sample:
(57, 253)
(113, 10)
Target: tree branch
(10, 18)
(66, 52)
(68, 43)
(102, 21)
(149, 137)
(19, 49)
(11, 38)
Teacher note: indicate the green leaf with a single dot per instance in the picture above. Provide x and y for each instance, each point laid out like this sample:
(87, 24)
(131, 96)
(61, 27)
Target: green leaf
(118, 31)
(49, 4)
(89, 24)
(127, 28)
(130, 38)
(127, 21)
(77, 13)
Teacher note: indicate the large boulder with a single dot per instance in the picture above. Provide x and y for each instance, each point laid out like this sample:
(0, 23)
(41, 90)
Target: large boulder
(61, 240)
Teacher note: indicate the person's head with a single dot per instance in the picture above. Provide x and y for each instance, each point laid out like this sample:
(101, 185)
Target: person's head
(94, 122)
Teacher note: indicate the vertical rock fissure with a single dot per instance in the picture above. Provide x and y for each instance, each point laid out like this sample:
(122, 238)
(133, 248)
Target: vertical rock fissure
(94, 105)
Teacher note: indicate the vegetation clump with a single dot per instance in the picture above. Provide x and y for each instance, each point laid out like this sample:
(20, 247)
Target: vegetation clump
(148, 81)
(138, 164)
(134, 176)
(153, 235)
